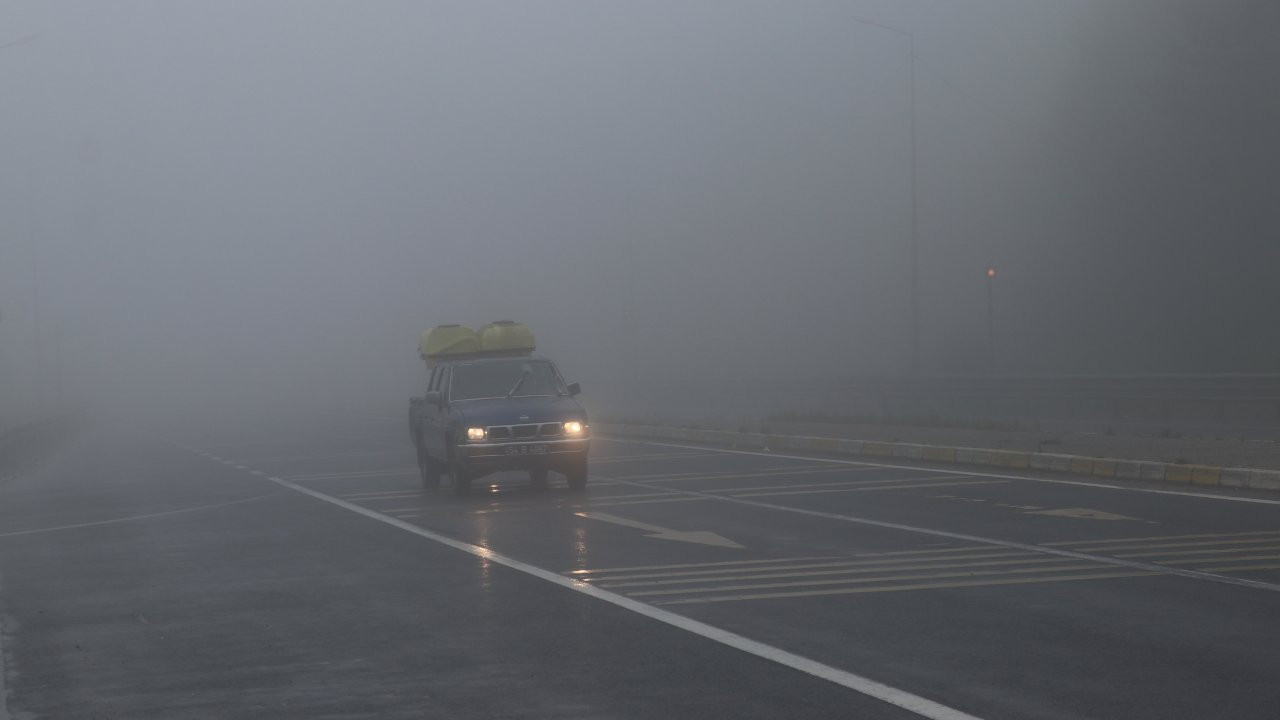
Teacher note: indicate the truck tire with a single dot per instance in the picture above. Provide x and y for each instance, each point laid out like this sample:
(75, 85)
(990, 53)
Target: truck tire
(461, 477)
(576, 474)
(429, 471)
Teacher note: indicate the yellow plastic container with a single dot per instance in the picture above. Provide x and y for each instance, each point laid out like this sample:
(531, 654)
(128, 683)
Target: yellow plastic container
(506, 336)
(443, 340)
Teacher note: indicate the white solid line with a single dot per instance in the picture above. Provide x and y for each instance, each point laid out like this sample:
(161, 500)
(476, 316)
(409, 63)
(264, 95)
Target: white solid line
(900, 698)
(136, 517)
(925, 466)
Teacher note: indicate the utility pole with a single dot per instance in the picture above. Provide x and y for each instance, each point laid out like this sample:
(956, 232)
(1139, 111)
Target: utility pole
(915, 229)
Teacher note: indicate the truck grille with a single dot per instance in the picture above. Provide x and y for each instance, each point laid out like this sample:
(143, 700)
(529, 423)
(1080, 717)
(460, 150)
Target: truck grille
(529, 431)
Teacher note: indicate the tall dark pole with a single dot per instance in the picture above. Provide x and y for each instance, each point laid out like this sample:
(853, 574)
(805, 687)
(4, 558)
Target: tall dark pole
(915, 257)
(913, 249)
(991, 320)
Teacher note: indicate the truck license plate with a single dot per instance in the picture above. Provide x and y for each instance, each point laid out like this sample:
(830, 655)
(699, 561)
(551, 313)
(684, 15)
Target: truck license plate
(526, 450)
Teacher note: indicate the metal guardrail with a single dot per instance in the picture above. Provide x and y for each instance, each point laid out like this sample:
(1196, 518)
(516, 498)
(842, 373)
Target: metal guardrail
(1170, 403)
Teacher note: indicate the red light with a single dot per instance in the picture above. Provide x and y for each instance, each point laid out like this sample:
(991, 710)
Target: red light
(991, 272)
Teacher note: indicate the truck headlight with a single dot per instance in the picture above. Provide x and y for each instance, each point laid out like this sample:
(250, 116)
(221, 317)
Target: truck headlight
(573, 427)
(475, 433)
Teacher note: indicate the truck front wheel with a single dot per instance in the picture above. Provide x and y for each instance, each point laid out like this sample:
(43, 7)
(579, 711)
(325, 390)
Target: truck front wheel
(576, 474)
(461, 477)
(429, 471)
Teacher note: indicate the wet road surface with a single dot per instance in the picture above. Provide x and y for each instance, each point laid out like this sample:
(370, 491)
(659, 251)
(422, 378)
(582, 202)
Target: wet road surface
(299, 570)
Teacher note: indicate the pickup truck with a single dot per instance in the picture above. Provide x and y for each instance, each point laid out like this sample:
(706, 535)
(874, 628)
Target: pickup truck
(489, 414)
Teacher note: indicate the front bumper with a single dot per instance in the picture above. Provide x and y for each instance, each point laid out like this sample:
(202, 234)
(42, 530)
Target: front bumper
(524, 455)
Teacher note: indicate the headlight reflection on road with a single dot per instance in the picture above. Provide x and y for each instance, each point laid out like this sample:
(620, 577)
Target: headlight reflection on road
(483, 526)
(580, 547)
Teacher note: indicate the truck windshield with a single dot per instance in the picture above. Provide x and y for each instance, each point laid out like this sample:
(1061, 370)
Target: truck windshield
(473, 381)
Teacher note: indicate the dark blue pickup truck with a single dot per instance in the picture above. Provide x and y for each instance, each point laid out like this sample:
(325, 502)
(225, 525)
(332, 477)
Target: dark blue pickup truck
(481, 415)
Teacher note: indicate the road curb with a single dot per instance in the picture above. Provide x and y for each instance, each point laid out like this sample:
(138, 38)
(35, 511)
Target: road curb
(1097, 467)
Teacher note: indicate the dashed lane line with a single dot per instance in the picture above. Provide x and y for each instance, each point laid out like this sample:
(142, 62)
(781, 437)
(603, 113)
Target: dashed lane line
(131, 518)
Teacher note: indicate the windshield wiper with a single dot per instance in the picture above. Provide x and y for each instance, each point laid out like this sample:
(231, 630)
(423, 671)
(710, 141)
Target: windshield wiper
(523, 376)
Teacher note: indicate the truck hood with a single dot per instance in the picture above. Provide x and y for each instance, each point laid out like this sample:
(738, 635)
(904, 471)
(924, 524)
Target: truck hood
(519, 410)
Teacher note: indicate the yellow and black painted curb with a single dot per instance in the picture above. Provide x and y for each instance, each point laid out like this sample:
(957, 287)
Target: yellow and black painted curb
(1111, 468)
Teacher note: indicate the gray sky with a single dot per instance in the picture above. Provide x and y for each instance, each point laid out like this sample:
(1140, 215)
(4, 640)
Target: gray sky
(275, 198)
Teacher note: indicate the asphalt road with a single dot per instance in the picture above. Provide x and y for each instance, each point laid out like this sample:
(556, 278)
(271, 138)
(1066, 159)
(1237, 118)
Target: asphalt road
(296, 569)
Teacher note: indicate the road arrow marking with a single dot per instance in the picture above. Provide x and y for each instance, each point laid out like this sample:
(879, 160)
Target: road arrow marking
(701, 537)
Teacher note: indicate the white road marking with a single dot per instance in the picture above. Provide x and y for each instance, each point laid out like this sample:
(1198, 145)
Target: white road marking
(672, 499)
(1202, 560)
(583, 572)
(370, 475)
(738, 474)
(651, 456)
(886, 693)
(854, 581)
(1028, 478)
(138, 517)
(847, 572)
(1102, 559)
(1198, 543)
(898, 588)
(864, 488)
(827, 484)
(700, 537)
(386, 495)
(1112, 541)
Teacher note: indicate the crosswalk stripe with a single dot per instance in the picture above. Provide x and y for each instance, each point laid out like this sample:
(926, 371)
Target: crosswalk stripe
(1209, 551)
(913, 586)
(986, 555)
(859, 581)
(842, 571)
(1109, 541)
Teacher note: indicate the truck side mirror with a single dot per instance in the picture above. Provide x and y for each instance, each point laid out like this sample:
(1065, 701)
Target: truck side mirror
(574, 389)
(434, 397)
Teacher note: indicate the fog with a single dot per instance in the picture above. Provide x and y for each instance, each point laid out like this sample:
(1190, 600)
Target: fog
(245, 204)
